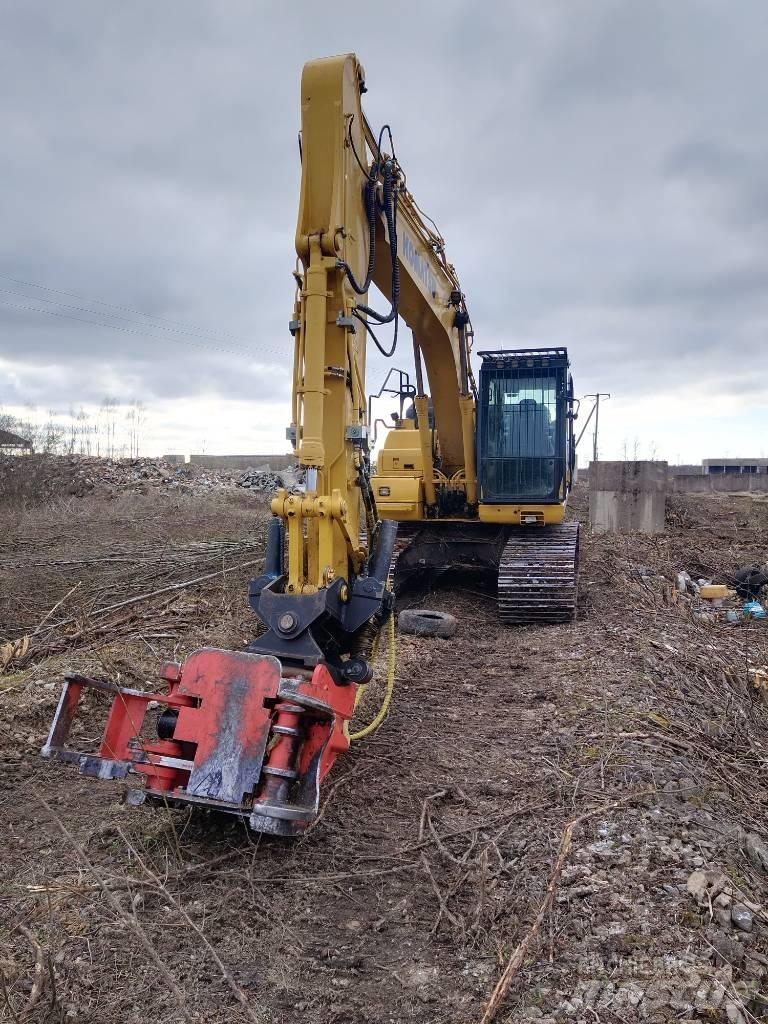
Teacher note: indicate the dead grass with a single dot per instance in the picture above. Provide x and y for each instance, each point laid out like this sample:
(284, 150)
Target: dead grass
(432, 860)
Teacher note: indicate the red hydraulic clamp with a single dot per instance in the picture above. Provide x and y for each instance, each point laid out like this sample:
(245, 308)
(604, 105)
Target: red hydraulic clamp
(238, 734)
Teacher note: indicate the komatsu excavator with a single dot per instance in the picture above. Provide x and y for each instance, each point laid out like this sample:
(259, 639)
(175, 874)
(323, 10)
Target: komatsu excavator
(475, 474)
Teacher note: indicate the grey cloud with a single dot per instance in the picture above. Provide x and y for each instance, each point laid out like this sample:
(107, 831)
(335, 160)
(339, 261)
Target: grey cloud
(728, 289)
(597, 168)
(736, 179)
(705, 160)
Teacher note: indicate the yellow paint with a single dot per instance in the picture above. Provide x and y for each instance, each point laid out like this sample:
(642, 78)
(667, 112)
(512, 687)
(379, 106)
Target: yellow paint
(421, 403)
(402, 497)
(467, 407)
(518, 515)
(401, 455)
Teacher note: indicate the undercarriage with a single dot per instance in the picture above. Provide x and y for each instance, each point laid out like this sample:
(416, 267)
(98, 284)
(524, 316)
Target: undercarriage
(536, 566)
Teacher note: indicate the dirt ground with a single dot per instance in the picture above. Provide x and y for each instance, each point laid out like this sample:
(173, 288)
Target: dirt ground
(439, 834)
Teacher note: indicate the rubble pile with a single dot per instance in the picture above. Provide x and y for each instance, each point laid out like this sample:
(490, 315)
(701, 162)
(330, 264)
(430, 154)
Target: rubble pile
(36, 479)
(267, 479)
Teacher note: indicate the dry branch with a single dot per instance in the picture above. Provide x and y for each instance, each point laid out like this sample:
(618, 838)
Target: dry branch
(58, 604)
(7, 999)
(39, 971)
(517, 958)
(114, 902)
(238, 993)
(162, 590)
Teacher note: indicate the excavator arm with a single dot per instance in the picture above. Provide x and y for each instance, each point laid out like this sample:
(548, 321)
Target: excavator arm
(358, 224)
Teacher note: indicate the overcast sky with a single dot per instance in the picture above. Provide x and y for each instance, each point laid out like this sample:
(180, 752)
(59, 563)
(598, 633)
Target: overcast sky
(599, 170)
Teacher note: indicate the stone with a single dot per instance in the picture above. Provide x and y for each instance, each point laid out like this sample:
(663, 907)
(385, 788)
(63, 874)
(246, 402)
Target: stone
(756, 851)
(723, 916)
(727, 949)
(741, 917)
(704, 886)
(697, 885)
(423, 980)
(734, 1015)
(603, 849)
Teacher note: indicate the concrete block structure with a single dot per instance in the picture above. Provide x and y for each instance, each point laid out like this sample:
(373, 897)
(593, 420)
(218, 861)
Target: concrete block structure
(276, 462)
(627, 496)
(742, 466)
(720, 483)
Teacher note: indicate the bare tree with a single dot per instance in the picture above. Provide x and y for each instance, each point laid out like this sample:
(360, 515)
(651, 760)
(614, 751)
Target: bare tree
(50, 435)
(135, 417)
(112, 430)
(107, 418)
(83, 431)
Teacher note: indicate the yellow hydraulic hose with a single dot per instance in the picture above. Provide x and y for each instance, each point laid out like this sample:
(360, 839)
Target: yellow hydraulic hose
(384, 709)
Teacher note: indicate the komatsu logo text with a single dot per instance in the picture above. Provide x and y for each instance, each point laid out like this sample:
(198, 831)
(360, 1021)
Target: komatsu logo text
(419, 265)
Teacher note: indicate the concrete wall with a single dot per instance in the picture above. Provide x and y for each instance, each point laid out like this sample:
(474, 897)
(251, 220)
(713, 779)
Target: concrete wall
(243, 461)
(720, 483)
(672, 470)
(735, 465)
(625, 496)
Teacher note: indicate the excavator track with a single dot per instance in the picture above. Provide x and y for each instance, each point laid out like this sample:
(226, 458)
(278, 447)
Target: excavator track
(538, 574)
(405, 534)
(537, 565)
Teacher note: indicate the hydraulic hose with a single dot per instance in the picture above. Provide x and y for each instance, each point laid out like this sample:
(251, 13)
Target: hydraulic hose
(388, 693)
(274, 558)
(385, 545)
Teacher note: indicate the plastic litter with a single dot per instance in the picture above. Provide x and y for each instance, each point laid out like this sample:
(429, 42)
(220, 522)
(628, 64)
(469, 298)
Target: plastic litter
(683, 582)
(754, 610)
(716, 592)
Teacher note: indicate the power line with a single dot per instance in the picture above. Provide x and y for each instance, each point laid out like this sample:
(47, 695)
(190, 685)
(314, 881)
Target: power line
(596, 410)
(128, 330)
(117, 316)
(123, 309)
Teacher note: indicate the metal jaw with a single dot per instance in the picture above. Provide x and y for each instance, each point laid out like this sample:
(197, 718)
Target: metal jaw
(242, 737)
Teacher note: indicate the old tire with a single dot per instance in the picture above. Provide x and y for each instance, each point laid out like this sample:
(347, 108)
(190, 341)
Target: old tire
(425, 622)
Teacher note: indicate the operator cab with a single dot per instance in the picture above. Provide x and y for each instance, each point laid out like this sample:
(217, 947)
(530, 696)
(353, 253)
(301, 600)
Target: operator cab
(525, 426)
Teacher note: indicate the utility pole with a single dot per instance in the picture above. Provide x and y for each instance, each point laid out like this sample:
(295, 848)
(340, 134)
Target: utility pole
(597, 397)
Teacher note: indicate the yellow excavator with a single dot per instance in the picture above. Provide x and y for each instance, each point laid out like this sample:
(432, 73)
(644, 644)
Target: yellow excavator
(474, 473)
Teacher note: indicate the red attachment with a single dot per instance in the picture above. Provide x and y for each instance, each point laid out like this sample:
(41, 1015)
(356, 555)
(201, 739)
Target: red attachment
(122, 740)
(245, 738)
(171, 670)
(342, 700)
